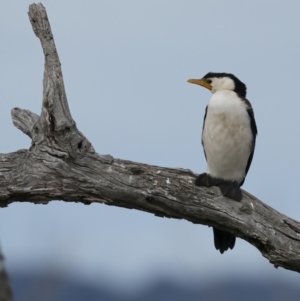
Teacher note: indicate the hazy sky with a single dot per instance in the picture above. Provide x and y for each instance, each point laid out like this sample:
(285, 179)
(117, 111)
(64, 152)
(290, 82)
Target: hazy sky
(125, 66)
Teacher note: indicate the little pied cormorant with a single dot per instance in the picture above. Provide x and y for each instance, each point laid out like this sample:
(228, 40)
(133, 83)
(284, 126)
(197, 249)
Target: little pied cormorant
(228, 138)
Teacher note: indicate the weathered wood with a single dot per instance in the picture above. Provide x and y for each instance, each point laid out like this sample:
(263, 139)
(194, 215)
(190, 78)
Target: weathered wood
(62, 165)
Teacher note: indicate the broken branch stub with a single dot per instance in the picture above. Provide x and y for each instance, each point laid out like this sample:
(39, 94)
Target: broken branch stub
(55, 129)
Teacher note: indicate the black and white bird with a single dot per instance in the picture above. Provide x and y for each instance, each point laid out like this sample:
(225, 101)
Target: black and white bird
(228, 139)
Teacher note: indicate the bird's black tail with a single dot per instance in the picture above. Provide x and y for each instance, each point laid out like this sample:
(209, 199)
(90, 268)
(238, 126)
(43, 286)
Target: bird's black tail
(223, 240)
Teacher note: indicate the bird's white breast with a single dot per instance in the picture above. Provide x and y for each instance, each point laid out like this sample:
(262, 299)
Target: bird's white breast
(227, 136)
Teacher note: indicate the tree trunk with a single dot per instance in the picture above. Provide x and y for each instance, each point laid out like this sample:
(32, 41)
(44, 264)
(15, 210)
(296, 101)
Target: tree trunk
(5, 291)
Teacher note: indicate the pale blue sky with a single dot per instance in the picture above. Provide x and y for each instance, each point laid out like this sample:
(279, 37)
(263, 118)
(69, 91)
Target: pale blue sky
(125, 66)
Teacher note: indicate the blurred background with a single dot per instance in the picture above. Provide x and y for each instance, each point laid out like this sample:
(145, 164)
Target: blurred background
(125, 66)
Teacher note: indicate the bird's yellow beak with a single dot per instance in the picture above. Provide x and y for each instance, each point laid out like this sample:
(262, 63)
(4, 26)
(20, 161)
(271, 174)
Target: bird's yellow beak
(201, 82)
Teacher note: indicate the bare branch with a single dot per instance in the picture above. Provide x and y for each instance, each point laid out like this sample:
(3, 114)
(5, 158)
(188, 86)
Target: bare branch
(62, 165)
(24, 120)
(40, 177)
(55, 128)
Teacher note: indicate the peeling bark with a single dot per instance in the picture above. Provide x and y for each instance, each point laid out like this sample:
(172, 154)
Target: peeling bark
(61, 164)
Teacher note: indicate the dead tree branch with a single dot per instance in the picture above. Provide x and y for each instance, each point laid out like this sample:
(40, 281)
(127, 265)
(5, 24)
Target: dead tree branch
(61, 164)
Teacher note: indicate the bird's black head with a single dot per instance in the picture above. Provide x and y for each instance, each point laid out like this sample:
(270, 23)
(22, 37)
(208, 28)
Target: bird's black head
(221, 81)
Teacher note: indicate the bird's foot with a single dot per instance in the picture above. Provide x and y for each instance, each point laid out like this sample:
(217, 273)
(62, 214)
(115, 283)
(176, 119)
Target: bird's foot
(229, 189)
(232, 190)
(205, 180)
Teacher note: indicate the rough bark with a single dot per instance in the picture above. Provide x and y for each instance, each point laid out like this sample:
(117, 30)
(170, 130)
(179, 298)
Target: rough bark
(61, 164)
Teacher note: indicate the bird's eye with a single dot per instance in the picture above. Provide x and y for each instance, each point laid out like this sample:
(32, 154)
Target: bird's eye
(209, 81)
